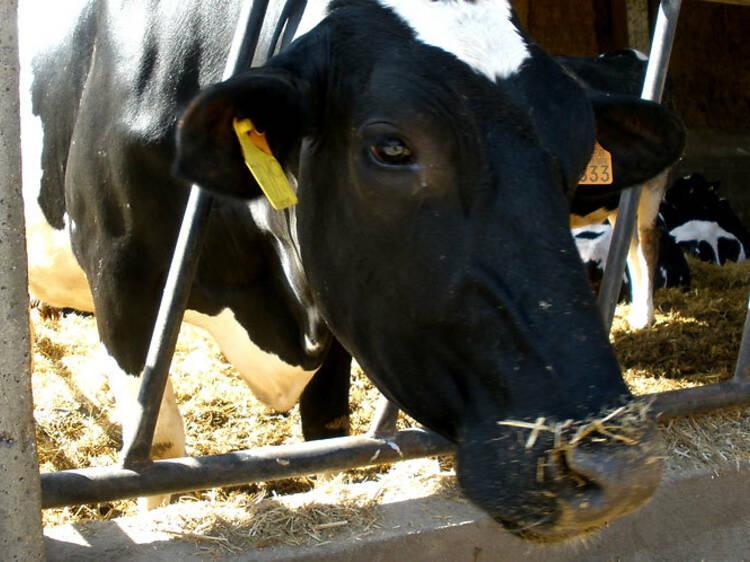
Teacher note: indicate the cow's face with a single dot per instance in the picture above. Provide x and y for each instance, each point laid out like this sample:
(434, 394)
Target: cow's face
(433, 228)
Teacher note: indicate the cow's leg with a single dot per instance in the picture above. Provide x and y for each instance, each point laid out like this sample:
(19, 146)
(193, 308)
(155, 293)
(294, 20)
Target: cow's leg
(126, 286)
(643, 254)
(169, 434)
(324, 405)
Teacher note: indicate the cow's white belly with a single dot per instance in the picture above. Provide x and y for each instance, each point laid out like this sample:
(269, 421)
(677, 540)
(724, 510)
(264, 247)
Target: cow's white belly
(55, 277)
(54, 274)
(274, 382)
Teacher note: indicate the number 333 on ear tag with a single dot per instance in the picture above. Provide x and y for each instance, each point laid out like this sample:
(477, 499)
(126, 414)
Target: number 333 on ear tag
(265, 168)
(599, 169)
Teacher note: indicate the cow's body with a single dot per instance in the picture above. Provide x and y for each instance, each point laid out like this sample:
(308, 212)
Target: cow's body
(692, 219)
(126, 243)
(593, 243)
(703, 223)
(419, 145)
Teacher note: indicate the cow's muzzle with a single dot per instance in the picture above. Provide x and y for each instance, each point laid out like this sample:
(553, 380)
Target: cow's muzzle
(599, 470)
(552, 481)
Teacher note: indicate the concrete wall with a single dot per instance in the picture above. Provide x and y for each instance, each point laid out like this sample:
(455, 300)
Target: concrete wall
(20, 498)
(711, 88)
(639, 30)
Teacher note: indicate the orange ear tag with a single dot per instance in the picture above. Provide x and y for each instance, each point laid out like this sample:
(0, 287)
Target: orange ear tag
(265, 168)
(599, 169)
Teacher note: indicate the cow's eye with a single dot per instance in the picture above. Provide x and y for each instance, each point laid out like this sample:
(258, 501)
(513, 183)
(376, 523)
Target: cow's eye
(392, 151)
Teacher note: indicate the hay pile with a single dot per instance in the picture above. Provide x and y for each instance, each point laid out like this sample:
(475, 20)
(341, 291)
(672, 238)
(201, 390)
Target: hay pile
(76, 415)
(694, 341)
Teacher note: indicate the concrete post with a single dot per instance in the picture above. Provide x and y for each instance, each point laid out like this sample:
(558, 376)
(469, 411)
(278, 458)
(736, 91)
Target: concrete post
(20, 495)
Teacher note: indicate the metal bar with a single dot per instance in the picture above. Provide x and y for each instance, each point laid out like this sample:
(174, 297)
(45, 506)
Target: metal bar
(384, 419)
(88, 485)
(653, 87)
(676, 403)
(167, 325)
(733, 2)
(184, 263)
(20, 497)
(742, 369)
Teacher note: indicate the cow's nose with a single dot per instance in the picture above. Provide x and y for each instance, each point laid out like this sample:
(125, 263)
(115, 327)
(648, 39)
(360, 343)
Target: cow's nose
(608, 480)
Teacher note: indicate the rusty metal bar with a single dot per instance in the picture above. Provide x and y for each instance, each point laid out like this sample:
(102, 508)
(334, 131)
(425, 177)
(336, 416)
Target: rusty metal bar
(653, 88)
(88, 485)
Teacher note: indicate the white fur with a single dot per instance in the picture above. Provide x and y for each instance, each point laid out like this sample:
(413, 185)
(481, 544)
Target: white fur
(707, 231)
(479, 33)
(274, 382)
(54, 274)
(640, 55)
(596, 249)
(643, 251)
(643, 254)
(169, 434)
(315, 11)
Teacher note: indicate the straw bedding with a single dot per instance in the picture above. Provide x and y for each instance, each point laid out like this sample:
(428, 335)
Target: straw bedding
(693, 342)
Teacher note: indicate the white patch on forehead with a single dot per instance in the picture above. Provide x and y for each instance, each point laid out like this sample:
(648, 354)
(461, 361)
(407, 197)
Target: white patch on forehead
(479, 33)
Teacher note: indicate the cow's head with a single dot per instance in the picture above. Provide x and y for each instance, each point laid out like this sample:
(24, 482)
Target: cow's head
(435, 167)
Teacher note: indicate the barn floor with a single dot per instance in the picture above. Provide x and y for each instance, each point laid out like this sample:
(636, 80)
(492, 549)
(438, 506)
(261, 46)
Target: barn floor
(696, 515)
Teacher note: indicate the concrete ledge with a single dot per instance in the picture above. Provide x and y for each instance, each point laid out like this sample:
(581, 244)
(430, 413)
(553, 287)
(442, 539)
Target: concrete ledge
(694, 516)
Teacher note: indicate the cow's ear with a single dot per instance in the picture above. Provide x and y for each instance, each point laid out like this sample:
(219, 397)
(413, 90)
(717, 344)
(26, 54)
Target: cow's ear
(208, 152)
(644, 138)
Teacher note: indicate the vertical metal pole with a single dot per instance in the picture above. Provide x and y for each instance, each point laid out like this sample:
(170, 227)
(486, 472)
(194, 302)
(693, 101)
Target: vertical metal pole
(653, 88)
(384, 418)
(20, 494)
(184, 263)
(742, 369)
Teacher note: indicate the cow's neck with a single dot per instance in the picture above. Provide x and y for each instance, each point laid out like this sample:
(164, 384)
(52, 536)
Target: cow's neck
(282, 227)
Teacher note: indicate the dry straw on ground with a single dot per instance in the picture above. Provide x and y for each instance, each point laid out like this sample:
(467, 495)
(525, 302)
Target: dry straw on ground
(694, 341)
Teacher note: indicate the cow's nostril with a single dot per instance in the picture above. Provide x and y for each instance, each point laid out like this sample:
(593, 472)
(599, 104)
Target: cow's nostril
(607, 479)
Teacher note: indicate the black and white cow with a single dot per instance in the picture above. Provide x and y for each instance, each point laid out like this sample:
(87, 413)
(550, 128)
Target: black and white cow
(427, 142)
(623, 72)
(703, 223)
(693, 219)
(672, 269)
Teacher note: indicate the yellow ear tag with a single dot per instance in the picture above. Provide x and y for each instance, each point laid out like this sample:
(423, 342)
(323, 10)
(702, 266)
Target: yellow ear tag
(265, 168)
(599, 169)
